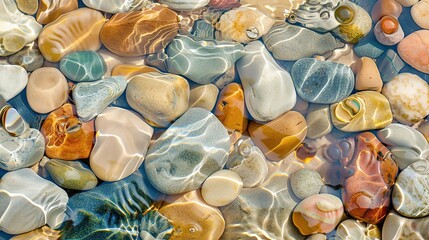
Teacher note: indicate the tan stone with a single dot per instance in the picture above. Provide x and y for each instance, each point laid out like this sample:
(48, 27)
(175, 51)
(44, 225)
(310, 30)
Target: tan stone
(28, 6)
(231, 109)
(368, 77)
(129, 70)
(49, 10)
(204, 96)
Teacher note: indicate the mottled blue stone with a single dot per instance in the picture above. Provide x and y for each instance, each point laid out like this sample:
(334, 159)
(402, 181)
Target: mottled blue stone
(203, 29)
(112, 210)
(83, 66)
(20, 103)
(322, 81)
(201, 60)
(389, 64)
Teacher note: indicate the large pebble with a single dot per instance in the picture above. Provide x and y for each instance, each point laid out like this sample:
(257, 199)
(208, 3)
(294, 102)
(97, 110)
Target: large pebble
(290, 42)
(91, 98)
(201, 60)
(185, 5)
(117, 6)
(368, 77)
(29, 202)
(319, 213)
(397, 227)
(420, 13)
(368, 177)
(322, 82)
(56, 40)
(22, 151)
(243, 24)
(9, 89)
(192, 218)
(50, 10)
(66, 136)
(115, 207)
(414, 50)
(203, 96)
(366, 110)
(16, 29)
(83, 66)
(354, 229)
(28, 58)
(192, 148)
(47, 90)
(305, 183)
(358, 27)
(138, 33)
(221, 188)
(281, 136)
(318, 120)
(410, 196)
(230, 108)
(159, 97)
(121, 144)
(71, 174)
(408, 96)
(406, 150)
(268, 89)
(248, 161)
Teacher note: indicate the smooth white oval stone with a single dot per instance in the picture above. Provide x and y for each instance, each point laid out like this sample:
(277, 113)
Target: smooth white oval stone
(121, 143)
(13, 80)
(29, 202)
(221, 188)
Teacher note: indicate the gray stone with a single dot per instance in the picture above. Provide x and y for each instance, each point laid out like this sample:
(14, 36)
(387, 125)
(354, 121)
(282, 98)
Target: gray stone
(318, 121)
(190, 150)
(30, 59)
(305, 183)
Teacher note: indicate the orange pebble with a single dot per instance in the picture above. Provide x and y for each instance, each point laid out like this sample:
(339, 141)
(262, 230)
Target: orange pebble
(389, 24)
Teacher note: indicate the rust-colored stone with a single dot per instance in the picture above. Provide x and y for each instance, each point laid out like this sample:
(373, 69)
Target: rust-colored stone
(368, 177)
(231, 109)
(66, 136)
(139, 33)
(281, 136)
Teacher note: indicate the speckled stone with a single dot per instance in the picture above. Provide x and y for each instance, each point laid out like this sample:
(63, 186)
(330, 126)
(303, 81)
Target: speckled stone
(29, 202)
(71, 174)
(397, 227)
(83, 66)
(357, 28)
(410, 196)
(91, 98)
(290, 42)
(28, 58)
(322, 82)
(201, 60)
(305, 183)
(318, 120)
(193, 147)
(21, 151)
(408, 96)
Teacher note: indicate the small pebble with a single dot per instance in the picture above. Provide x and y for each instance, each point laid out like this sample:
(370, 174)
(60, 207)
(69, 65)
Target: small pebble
(318, 120)
(414, 50)
(28, 58)
(305, 183)
(204, 96)
(83, 66)
(388, 31)
(385, 8)
(221, 188)
(47, 90)
(389, 65)
(368, 78)
(420, 13)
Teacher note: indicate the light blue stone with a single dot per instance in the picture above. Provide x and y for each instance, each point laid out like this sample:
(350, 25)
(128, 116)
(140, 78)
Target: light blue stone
(322, 81)
(201, 60)
(91, 98)
(203, 29)
(368, 47)
(84, 66)
(112, 210)
(190, 150)
(389, 64)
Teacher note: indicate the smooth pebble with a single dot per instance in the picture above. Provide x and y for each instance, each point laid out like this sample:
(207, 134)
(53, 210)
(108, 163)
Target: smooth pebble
(221, 188)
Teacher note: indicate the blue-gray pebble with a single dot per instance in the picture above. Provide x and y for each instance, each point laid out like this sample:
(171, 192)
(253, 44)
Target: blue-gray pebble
(322, 81)
(201, 60)
(190, 150)
(83, 66)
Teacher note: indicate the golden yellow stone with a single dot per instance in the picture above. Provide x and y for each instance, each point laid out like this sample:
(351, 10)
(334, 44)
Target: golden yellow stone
(129, 70)
(49, 10)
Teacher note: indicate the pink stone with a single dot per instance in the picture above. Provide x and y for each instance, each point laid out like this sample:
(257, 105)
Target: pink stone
(414, 49)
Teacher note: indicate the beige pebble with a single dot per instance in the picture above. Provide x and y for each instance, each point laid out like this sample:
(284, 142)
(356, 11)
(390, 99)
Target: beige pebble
(420, 13)
(221, 188)
(47, 90)
(203, 96)
(368, 78)
(159, 98)
(28, 6)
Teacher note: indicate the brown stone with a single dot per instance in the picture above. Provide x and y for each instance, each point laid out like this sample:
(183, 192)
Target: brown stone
(139, 33)
(49, 10)
(129, 70)
(231, 109)
(368, 177)
(386, 8)
(368, 77)
(279, 137)
(66, 136)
